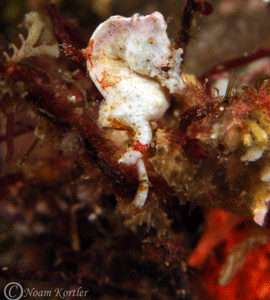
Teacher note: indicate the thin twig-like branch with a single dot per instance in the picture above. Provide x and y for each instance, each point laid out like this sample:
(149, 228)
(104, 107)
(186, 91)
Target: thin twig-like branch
(235, 63)
(58, 24)
(183, 37)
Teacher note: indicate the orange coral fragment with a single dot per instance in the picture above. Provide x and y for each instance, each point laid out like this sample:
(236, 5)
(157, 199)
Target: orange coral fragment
(219, 224)
(250, 283)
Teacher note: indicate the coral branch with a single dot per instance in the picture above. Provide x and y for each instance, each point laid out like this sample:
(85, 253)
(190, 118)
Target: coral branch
(62, 112)
(35, 26)
(60, 31)
(19, 132)
(9, 137)
(235, 63)
(191, 7)
(58, 24)
(215, 233)
(184, 33)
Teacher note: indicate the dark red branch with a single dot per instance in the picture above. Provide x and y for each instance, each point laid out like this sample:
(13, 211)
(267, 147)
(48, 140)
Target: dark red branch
(183, 36)
(64, 114)
(58, 24)
(9, 137)
(61, 33)
(191, 7)
(27, 129)
(235, 63)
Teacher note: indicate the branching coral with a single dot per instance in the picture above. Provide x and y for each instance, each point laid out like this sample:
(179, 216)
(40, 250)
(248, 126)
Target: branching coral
(35, 26)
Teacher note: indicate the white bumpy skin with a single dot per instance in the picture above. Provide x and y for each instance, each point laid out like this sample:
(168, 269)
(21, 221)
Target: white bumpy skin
(135, 67)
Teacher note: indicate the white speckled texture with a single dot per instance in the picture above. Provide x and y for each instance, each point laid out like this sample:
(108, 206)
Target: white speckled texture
(135, 67)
